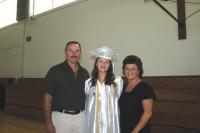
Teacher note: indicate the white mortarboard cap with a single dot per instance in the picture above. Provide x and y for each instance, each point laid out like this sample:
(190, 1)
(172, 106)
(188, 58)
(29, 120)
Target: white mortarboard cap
(104, 52)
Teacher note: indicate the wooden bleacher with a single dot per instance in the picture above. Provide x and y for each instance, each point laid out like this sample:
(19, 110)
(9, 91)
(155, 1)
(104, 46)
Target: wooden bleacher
(177, 109)
(25, 98)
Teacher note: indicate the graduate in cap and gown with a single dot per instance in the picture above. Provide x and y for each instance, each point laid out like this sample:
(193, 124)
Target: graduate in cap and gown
(102, 91)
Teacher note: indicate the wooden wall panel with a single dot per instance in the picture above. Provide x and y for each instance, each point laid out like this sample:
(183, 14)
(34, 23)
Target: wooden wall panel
(178, 95)
(176, 110)
(174, 82)
(25, 95)
(25, 98)
(177, 115)
(25, 111)
(166, 129)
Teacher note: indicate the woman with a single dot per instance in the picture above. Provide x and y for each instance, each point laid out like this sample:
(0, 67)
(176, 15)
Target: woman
(102, 94)
(136, 101)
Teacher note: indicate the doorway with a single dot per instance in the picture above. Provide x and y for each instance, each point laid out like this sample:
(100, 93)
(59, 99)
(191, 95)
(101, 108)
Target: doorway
(2, 97)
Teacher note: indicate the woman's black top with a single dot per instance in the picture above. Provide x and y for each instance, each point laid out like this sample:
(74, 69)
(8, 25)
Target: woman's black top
(131, 108)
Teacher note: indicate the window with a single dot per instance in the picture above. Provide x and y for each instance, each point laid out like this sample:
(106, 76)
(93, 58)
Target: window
(57, 3)
(39, 6)
(8, 11)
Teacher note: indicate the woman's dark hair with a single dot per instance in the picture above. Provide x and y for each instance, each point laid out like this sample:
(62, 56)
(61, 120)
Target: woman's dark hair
(109, 76)
(132, 59)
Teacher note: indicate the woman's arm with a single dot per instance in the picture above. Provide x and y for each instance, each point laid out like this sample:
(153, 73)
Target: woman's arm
(148, 109)
(119, 82)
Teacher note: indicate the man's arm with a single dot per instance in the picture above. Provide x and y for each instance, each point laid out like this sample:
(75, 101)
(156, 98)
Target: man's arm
(47, 113)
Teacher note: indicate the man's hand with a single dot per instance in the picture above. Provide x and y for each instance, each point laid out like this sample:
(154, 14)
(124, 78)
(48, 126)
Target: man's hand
(50, 127)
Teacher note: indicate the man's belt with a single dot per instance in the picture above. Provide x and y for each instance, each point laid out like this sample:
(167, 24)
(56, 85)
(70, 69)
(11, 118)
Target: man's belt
(71, 112)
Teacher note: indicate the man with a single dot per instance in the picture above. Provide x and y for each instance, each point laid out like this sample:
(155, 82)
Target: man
(64, 98)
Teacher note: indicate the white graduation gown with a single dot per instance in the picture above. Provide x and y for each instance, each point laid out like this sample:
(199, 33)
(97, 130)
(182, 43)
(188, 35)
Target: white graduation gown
(101, 107)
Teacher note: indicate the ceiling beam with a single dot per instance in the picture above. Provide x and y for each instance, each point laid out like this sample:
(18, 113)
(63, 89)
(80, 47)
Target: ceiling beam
(181, 20)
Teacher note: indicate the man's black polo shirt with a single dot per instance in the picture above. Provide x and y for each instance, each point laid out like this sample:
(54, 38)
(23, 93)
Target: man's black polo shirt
(66, 89)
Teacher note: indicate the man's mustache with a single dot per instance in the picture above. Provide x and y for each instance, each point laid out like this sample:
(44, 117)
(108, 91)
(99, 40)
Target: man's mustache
(74, 56)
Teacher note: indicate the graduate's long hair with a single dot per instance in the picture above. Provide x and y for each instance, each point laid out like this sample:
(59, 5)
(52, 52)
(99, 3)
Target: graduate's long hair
(110, 77)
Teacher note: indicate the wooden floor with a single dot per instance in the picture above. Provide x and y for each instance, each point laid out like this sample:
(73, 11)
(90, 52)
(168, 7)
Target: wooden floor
(14, 124)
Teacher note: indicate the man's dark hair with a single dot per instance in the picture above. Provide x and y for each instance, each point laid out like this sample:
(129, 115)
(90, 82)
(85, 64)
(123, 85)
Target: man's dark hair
(72, 42)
